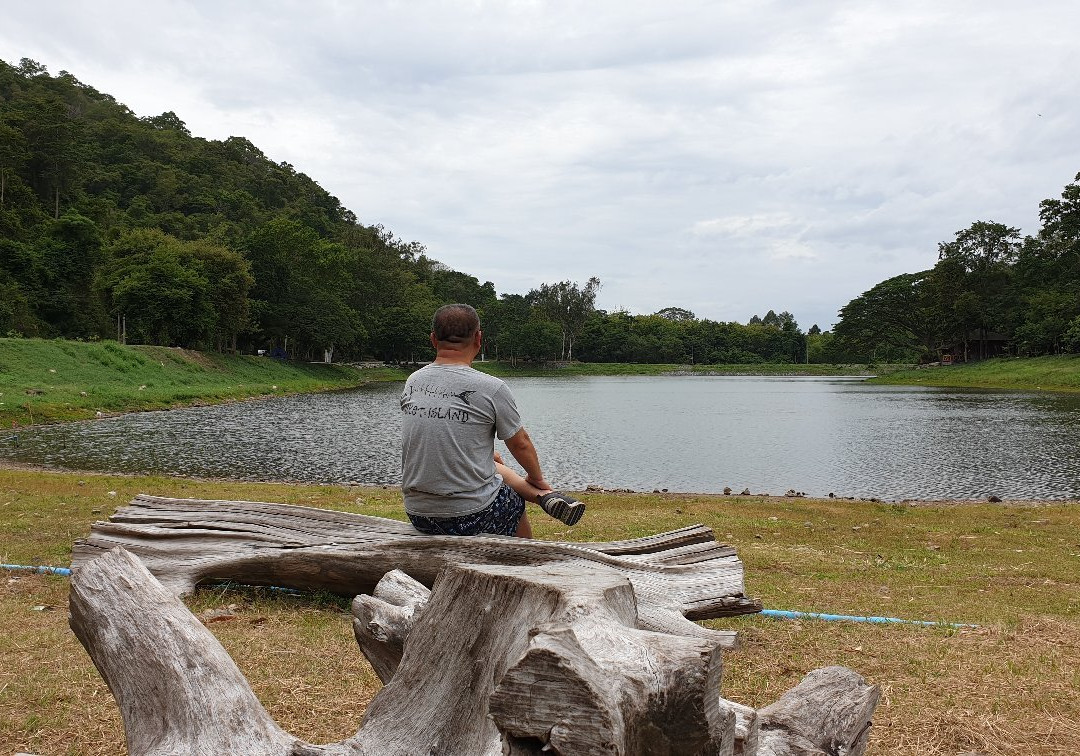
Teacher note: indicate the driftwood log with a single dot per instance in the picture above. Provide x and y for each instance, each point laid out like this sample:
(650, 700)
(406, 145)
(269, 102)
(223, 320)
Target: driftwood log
(678, 576)
(526, 656)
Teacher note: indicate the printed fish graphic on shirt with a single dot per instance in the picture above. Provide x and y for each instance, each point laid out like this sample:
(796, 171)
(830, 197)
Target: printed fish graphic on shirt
(464, 395)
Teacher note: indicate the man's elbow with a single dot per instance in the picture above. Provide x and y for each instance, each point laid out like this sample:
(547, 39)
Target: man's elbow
(519, 440)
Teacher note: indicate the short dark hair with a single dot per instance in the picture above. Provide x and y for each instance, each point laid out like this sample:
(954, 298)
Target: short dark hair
(455, 323)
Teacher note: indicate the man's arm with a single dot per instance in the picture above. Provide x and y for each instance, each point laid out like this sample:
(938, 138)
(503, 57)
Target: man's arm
(521, 446)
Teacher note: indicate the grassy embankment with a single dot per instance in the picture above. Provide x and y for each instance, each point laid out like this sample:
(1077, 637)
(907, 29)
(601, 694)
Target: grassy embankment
(1058, 373)
(1010, 686)
(50, 381)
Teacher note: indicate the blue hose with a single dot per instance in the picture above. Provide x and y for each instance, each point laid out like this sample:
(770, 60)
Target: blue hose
(777, 613)
(65, 571)
(782, 614)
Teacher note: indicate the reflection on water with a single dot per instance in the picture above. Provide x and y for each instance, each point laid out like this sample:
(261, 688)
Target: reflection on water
(694, 433)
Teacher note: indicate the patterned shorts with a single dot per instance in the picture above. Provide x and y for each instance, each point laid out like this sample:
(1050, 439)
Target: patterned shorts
(500, 517)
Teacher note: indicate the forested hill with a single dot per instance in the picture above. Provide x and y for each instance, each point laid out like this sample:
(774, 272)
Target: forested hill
(111, 223)
(105, 216)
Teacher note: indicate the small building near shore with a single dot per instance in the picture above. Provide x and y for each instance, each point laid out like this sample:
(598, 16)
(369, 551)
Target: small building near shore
(978, 345)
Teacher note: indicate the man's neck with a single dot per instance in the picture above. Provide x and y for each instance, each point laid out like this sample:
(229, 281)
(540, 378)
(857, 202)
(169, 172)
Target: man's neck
(453, 357)
(455, 360)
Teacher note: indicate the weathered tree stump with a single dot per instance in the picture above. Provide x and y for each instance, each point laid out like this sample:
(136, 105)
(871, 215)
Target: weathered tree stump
(827, 714)
(553, 654)
(384, 620)
(519, 647)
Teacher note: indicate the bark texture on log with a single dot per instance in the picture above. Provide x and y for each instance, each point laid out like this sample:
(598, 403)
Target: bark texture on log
(554, 656)
(827, 714)
(746, 728)
(178, 690)
(678, 576)
(588, 681)
(537, 702)
(384, 620)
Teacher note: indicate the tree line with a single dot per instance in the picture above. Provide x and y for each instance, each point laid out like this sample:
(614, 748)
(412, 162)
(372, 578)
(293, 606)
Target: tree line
(991, 293)
(116, 226)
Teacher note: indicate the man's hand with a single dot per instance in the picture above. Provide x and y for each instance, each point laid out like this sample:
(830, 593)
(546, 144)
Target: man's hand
(540, 484)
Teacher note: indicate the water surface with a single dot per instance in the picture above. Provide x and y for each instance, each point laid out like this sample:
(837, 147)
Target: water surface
(692, 433)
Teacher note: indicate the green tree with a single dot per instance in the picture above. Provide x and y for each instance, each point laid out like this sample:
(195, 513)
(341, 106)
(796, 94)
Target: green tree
(654, 339)
(14, 153)
(536, 339)
(983, 246)
(1046, 299)
(984, 254)
(677, 314)
(162, 299)
(568, 305)
(1047, 318)
(606, 337)
(1071, 338)
(889, 321)
(501, 322)
(55, 156)
(230, 281)
(71, 255)
(16, 317)
(174, 292)
(402, 333)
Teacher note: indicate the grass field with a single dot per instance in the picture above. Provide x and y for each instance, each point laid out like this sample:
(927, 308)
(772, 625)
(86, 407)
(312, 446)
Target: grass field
(1010, 686)
(1057, 373)
(49, 381)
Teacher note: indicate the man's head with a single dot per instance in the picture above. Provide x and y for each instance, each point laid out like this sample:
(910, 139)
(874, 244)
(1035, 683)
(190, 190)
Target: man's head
(455, 324)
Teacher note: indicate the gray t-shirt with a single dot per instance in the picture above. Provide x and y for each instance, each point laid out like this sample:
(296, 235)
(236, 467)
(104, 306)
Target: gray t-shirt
(451, 415)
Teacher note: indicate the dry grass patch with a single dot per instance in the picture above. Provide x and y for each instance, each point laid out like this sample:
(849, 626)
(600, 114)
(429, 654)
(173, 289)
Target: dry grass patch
(1010, 686)
(52, 700)
(300, 656)
(987, 690)
(297, 652)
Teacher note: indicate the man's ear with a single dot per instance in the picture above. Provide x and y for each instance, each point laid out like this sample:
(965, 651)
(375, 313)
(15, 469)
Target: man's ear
(434, 341)
(478, 337)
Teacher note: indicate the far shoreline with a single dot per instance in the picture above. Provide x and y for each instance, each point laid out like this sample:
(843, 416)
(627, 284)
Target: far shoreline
(659, 495)
(51, 381)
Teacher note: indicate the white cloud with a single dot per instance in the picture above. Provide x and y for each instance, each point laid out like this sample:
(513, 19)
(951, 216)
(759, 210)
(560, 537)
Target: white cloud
(728, 158)
(745, 225)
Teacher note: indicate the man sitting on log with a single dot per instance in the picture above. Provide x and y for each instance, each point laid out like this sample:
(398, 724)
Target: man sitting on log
(452, 482)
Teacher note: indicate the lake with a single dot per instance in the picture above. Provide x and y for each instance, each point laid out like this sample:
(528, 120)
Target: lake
(691, 434)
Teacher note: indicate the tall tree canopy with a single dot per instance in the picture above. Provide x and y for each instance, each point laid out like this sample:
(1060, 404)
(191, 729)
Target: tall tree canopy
(991, 292)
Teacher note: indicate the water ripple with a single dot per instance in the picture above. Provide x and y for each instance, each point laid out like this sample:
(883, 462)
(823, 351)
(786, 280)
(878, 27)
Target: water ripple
(694, 433)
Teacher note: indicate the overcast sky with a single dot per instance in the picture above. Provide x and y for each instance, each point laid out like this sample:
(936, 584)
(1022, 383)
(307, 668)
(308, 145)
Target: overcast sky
(729, 158)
